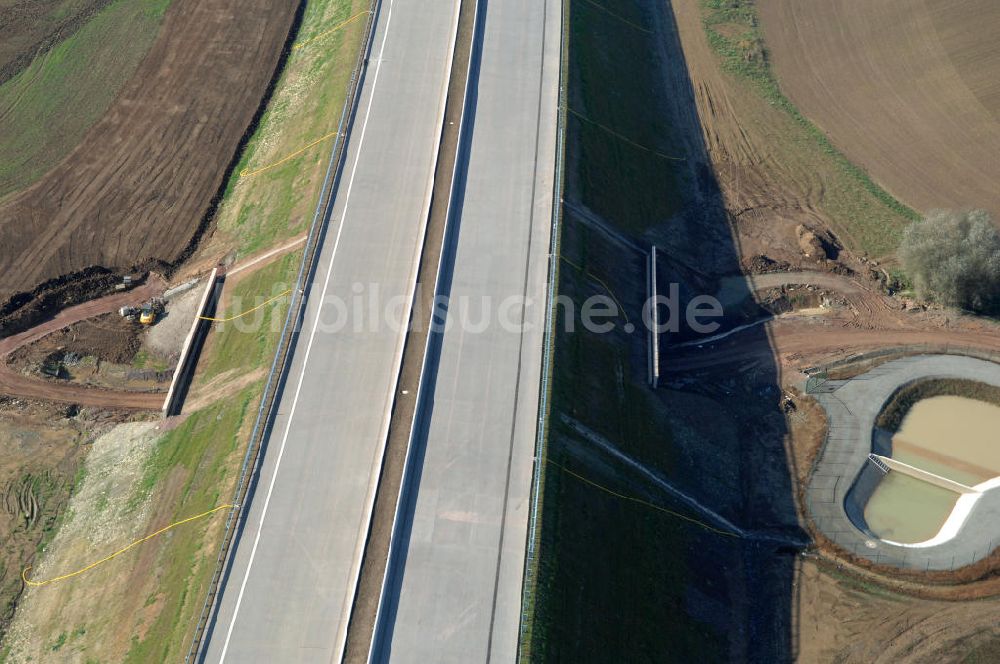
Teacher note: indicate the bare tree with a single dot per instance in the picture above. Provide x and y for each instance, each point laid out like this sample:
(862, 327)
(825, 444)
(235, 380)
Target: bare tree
(954, 258)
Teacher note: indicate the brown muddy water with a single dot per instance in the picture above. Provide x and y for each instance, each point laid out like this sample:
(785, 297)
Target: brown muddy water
(954, 437)
(908, 510)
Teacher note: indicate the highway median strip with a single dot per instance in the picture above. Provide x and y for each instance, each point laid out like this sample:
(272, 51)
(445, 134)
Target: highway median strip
(367, 619)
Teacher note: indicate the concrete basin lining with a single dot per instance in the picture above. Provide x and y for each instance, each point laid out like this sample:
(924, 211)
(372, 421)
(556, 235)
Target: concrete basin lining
(837, 485)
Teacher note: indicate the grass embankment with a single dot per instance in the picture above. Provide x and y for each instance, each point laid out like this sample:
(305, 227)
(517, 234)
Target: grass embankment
(870, 217)
(247, 342)
(278, 202)
(47, 108)
(613, 575)
(625, 158)
(196, 466)
(193, 466)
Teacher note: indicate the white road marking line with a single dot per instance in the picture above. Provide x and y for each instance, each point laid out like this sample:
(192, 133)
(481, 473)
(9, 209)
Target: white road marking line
(312, 336)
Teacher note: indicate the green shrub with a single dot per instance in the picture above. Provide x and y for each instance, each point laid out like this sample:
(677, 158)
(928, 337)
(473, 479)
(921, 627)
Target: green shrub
(954, 258)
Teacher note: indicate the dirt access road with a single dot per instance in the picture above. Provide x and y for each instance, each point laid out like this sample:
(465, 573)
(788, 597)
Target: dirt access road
(16, 384)
(798, 342)
(138, 187)
(907, 90)
(866, 319)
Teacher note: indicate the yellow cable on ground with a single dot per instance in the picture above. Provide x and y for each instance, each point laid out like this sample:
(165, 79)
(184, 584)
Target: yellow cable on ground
(300, 44)
(248, 311)
(623, 138)
(619, 17)
(646, 503)
(601, 282)
(24, 574)
(245, 173)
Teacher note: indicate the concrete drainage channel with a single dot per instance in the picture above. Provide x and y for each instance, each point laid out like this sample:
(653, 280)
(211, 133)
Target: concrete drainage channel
(369, 610)
(279, 367)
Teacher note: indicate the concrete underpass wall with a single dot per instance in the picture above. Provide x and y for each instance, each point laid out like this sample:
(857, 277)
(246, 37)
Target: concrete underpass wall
(193, 342)
(859, 494)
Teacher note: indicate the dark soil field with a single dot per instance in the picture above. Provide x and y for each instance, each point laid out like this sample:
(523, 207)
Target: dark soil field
(28, 27)
(138, 188)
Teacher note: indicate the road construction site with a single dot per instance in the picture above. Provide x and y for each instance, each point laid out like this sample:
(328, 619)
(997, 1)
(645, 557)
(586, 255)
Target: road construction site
(419, 461)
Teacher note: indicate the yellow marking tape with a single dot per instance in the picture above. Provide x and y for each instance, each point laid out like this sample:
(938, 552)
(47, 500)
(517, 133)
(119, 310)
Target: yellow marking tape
(623, 138)
(601, 282)
(246, 172)
(619, 17)
(248, 311)
(24, 574)
(646, 503)
(300, 44)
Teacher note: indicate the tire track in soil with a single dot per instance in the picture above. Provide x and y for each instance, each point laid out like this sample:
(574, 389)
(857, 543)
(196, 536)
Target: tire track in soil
(137, 188)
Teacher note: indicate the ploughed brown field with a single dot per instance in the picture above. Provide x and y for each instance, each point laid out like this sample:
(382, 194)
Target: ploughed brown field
(137, 187)
(907, 89)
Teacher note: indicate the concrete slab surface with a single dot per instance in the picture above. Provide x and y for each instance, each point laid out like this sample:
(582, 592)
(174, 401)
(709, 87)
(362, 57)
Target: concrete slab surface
(288, 594)
(455, 574)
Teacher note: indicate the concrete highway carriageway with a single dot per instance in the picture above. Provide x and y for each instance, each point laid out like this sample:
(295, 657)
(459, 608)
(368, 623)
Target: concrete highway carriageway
(388, 517)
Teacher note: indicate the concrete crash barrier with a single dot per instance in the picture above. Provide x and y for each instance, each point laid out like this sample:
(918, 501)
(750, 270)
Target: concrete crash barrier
(192, 345)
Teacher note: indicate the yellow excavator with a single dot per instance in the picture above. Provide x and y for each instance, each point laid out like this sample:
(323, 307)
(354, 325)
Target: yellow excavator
(150, 311)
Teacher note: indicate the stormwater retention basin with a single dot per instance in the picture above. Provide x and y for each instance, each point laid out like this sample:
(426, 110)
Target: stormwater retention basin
(941, 458)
